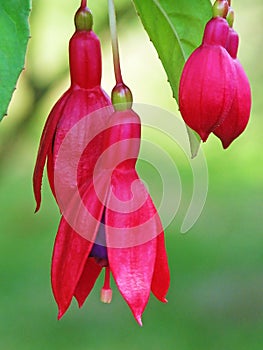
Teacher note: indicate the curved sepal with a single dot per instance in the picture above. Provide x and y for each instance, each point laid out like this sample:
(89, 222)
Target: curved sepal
(45, 145)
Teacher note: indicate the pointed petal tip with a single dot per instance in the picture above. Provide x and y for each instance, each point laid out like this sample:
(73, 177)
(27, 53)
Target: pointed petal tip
(224, 141)
(61, 312)
(139, 320)
(37, 208)
(162, 299)
(226, 144)
(60, 315)
(37, 195)
(204, 136)
(80, 302)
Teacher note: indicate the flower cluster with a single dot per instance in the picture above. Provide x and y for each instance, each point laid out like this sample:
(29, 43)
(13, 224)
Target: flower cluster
(91, 143)
(214, 92)
(119, 228)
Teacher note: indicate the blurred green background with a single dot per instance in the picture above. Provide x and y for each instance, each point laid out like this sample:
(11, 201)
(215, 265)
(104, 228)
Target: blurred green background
(216, 293)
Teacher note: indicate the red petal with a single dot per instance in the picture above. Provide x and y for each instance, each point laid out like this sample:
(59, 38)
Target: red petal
(161, 276)
(74, 243)
(69, 257)
(72, 106)
(238, 117)
(77, 125)
(50, 171)
(87, 280)
(45, 144)
(207, 89)
(131, 240)
(132, 269)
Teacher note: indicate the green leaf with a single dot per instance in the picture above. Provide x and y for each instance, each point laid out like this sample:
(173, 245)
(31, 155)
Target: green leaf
(14, 35)
(175, 28)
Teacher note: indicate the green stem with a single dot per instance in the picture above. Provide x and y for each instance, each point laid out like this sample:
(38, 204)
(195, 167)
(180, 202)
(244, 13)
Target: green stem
(114, 42)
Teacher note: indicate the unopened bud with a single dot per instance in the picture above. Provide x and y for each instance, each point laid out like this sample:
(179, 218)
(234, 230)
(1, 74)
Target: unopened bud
(83, 19)
(220, 8)
(121, 97)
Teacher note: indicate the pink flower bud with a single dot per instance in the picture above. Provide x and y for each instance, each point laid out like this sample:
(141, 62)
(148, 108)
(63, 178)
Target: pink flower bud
(237, 119)
(207, 85)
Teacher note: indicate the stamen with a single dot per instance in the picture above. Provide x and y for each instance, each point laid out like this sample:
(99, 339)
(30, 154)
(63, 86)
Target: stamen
(106, 291)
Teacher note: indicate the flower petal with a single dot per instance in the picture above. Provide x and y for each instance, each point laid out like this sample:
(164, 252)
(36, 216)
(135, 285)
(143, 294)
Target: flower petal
(69, 257)
(132, 269)
(74, 242)
(207, 89)
(238, 117)
(87, 280)
(131, 239)
(79, 131)
(161, 275)
(45, 144)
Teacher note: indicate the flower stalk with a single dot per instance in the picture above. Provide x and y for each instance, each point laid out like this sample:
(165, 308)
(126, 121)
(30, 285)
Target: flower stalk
(83, 3)
(114, 42)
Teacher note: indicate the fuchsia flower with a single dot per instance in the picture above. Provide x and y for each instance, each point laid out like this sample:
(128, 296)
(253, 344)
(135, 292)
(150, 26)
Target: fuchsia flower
(207, 86)
(123, 232)
(131, 243)
(238, 116)
(214, 92)
(83, 97)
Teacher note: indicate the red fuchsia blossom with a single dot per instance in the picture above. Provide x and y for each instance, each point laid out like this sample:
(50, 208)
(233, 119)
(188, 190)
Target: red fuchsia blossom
(238, 116)
(128, 234)
(207, 85)
(83, 97)
(124, 233)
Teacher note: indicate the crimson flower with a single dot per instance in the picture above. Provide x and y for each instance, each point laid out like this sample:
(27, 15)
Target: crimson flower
(207, 85)
(121, 229)
(238, 116)
(83, 97)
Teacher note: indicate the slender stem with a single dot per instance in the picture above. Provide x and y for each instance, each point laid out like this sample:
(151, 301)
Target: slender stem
(83, 3)
(114, 42)
(229, 2)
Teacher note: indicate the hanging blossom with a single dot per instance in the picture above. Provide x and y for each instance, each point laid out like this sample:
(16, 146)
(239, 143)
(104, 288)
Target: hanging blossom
(210, 86)
(108, 218)
(123, 229)
(84, 96)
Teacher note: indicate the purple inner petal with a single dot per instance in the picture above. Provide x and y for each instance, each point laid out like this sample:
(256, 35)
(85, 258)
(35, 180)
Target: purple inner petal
(99, 249)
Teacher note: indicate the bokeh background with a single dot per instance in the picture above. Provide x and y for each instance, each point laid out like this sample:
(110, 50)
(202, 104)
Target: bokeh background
(216, 293)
